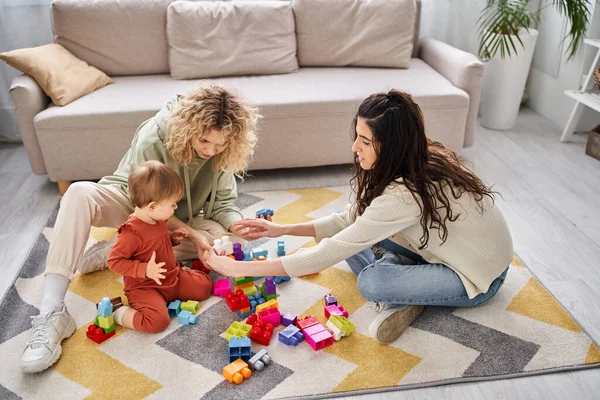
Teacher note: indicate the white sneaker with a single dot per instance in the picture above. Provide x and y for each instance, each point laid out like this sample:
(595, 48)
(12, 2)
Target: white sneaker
(96, 257)
(392, 320)
(43, 348)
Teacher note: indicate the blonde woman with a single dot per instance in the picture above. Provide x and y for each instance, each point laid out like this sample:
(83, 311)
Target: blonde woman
(206, 136)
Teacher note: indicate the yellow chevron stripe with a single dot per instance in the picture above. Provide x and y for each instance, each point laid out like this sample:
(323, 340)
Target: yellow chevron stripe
(311, 200)
(593, 355)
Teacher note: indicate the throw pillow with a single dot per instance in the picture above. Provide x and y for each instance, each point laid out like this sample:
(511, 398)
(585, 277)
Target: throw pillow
(61, 75)
(366, 33)
(208, 39)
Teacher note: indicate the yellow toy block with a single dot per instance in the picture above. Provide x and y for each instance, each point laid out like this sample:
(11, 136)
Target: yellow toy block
(106, 322)
(191, 306)
(268, 304)
(238, 330)
(237, 371)
(250, 291)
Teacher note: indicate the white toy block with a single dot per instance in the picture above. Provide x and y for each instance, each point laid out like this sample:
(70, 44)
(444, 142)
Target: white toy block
(223, 244)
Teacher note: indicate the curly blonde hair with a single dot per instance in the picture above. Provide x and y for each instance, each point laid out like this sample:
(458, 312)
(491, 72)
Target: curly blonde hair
(213, 107)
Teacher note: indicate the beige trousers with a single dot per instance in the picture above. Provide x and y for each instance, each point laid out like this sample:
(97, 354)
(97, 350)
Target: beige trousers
(87, 204)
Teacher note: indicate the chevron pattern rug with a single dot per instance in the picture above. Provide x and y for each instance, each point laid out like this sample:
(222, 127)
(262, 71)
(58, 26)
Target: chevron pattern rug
(521, 331)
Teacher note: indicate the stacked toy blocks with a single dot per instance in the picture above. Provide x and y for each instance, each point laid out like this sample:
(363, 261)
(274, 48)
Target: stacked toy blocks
(315, 333)
(246, 284)
(104, 326)
(264, 212)
(268, 289)
(238, 301)
(238, 253)
(223, 244)
(280, 248)
(184, 311)
(340, 326)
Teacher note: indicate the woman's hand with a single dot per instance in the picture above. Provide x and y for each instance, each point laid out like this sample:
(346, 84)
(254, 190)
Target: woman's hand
(255, 228)
(222, 264)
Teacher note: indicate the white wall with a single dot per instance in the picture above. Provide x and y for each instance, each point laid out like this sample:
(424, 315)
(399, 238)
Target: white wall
(552, 74)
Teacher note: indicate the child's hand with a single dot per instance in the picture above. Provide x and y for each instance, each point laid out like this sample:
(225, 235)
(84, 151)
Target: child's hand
(154, 270)
(178, 235)
(255, 228)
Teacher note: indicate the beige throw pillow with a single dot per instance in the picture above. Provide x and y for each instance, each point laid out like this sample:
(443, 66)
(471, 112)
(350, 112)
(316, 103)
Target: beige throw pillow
(209, 39)
(61, 75)
(367, 33)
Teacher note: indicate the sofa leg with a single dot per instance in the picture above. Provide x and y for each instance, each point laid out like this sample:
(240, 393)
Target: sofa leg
(63, 186)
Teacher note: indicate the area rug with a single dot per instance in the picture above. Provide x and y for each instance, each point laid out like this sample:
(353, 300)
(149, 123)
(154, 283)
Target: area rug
(523, 330)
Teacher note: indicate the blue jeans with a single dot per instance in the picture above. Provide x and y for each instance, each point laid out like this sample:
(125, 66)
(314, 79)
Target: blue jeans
(403, 277)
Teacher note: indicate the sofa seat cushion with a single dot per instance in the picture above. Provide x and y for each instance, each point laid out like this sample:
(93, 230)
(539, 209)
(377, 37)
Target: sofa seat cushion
(87, 138)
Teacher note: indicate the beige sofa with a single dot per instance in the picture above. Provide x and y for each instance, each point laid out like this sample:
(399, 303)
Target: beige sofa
(307, 113)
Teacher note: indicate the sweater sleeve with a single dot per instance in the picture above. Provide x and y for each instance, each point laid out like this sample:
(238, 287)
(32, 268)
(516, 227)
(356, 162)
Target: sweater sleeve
(120, 258)
(329, 225)
(387, 215)
(224, 210)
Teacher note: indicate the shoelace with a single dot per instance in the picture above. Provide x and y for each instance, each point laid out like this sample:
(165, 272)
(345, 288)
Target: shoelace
(41, 326)
(379, 307)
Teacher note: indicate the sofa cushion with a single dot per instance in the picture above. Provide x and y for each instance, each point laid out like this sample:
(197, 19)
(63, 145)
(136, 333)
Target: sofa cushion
(87, 138)
(370, 33)
(208, 39)
(62, 76)
(119, 37)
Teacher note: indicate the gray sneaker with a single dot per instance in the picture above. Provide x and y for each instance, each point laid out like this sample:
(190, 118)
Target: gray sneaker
(43, 348)
(392, 320)
(96, 257)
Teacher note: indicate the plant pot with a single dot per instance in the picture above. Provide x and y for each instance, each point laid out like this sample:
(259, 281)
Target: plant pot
(504, 82)
(593, 143)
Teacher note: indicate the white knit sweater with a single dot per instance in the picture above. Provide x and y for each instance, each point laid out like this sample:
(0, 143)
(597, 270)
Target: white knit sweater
(478, 247)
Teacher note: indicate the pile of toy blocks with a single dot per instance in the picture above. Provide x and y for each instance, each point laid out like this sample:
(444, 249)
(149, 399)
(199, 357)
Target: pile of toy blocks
(103, 327)
(184, 311)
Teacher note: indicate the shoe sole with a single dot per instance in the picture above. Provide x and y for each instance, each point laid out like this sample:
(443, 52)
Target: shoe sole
(96, 247)
(394, 325)
(38, 366)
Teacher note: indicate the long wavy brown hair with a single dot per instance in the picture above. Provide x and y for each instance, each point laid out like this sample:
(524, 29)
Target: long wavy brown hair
(213, 107)
(404, 152)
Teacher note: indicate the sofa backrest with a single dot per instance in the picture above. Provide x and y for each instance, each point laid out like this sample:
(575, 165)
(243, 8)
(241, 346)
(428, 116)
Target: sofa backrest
(119, 37)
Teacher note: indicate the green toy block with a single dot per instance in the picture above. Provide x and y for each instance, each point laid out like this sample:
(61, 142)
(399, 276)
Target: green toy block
(109, 330)
(343, 324)
(238, 330)
(240, 280)
(105, 322)
(191, 306)
(265, 295)
(250, 290)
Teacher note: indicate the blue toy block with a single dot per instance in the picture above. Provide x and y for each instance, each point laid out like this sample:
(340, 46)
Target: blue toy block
(257, 252)
(105, 307)
(247, 255)
(280, 279)
(280, 248)
(240, 348)
(264, 212)
(291, 336)
(175, 308)
(246, 314)
(186, 318)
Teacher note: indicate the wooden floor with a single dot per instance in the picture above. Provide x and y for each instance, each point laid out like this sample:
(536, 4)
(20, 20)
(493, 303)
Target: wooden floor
(551, 200)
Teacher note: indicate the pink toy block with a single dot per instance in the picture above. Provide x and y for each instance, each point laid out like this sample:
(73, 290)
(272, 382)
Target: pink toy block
(318, 337)
(335, 310)
(222, 287)
(270, 315)
(306, 322)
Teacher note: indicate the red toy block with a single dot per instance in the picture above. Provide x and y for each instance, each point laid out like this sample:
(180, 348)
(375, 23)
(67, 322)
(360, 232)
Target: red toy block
(97, 334)
(335, 310)
(261, 332)
(252, 319)
(306, 322)
(237, 301)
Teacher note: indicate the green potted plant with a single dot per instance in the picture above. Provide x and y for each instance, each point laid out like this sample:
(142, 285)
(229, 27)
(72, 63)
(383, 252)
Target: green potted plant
(506, 42)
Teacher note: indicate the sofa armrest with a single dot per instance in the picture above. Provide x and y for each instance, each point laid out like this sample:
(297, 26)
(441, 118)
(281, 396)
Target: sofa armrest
(463, 69)
(29, 100)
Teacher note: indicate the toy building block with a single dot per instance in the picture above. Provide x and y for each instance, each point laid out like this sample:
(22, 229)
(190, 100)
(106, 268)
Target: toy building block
(245, 313)
(250, 290)
(97, 334)
(191, 306)
(280, 248)
(340, 326)
(238, 253)
(104, 322)
(291, 336)
(255, 300)
(252, 319)
(174, 308)
(306, 322)
(238, 330)
(237, 301)
(223, 244)
(117, 302)
(288, 319)
(237, 371)
(240, 348)
(280, 279)
(257, 252)
(270, 315)
(240, 282)
(330, 300)
(261, 332)
(265, 212)
(267, 288)
(186, 318)
(335, 310)
(105, 307)
(221, 287)
(259, 360)
(267, 304)
(318, 337)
